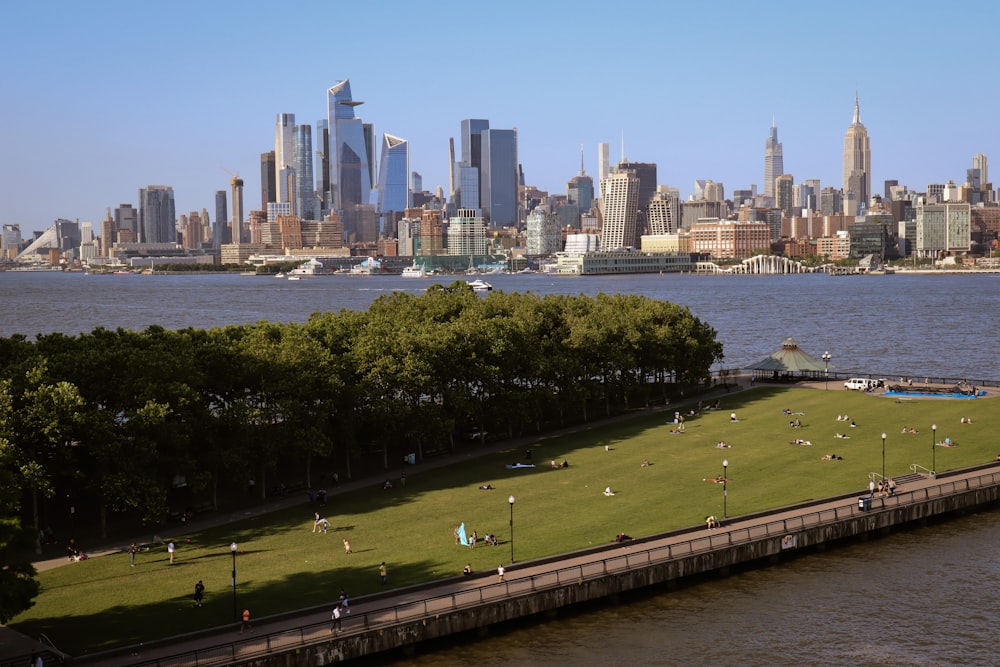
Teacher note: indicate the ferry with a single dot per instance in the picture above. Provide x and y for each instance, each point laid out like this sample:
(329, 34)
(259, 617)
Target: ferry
(414, 271)
(479, 285)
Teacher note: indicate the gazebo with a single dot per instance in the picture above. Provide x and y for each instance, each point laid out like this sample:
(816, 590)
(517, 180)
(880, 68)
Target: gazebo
(788, 362)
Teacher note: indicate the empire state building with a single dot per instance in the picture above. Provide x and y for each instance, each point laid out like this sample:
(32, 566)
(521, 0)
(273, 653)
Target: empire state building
(857, 164)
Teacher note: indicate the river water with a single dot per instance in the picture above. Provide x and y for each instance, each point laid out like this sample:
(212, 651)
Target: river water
(926, 597)
(917, 325)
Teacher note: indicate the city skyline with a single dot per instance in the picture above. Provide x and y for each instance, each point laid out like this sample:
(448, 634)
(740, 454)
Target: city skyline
(100, 106)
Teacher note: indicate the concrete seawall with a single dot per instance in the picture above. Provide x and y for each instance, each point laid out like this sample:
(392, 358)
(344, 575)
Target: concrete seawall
(403, 620)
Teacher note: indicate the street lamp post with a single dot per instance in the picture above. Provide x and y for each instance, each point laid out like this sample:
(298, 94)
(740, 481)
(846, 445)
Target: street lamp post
(510, 500)
(725, 491)
(883, 455)
(933, 450)
(233, 548)
(826, 375)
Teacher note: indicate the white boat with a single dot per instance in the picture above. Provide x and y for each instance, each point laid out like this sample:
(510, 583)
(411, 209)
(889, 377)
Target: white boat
(367, 267)
(279, 274)
(414, 271)
(479, 285)
(295, 277)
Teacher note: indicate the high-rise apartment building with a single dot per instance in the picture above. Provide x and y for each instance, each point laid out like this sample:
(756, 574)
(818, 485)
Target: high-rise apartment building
(498, 177)
(127, 218)
(774, 161)
(284, 156)
(220, 234)
(661, 215)
(784, 194)
(304, 201)
(857, 163)
(268, 180)
(156, 214)
(544, 235)
(394, 195)
(466, 233)
(236, 226)
(620, 200)
(980, 162)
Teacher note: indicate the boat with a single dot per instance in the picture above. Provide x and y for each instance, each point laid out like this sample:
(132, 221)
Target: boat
(295, 277)
(414, 271)
(479, 285)
(279, 274)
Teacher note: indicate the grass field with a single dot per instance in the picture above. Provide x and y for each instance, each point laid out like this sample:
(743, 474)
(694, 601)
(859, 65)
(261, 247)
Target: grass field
(283, 565)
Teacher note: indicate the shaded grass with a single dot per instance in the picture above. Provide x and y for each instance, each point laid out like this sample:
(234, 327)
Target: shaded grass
(282, 565)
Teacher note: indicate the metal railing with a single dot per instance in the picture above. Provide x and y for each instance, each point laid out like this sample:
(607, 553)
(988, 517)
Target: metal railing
(731, 535)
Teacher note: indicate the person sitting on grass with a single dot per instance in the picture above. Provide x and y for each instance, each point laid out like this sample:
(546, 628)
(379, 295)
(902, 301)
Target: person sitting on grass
(608, 491)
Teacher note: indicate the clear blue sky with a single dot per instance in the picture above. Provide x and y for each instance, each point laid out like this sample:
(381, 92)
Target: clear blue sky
(102, 98)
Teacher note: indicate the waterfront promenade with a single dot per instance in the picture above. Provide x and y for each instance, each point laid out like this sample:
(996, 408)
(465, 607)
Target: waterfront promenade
(378, 614)
(433, 600)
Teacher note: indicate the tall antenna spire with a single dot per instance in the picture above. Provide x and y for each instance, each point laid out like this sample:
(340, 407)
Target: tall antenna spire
(582, 172)
(857, 109)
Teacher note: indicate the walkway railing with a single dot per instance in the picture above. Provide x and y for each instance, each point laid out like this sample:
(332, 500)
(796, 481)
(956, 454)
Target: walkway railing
(731, 535)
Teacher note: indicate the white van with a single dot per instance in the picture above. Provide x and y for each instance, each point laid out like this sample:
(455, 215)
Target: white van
(861, 384)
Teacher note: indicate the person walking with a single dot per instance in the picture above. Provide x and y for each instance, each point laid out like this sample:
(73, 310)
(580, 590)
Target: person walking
(500, 573)
(199, 593)
(347, 547)
(246, 621)
(381, 572)
(132, 550)
(335, 618)
(170, 551)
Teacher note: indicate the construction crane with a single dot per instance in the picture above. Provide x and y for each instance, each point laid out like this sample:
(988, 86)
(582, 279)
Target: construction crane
(235, 177)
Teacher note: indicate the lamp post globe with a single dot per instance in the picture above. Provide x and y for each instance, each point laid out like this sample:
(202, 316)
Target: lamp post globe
(510, 500)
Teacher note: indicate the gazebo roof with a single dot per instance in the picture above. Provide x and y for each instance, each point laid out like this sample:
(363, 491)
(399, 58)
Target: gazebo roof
(789, 359)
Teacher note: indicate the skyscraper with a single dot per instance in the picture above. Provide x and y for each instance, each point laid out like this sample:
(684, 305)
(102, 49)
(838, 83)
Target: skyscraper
(620, 197)
(305, 203)
(784, 194)
(236, 227)
(284, 155)
(774, 162)
(393, 181)
(350, 174)
(857, 162)
(498, 177)
(268, 180)
(156, 214)
(221, 227)
(580, 189)
(603, 164)
(322, 167)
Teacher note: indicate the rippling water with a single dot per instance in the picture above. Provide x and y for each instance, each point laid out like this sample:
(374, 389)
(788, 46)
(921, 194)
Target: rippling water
(918, 325)
(920, 598)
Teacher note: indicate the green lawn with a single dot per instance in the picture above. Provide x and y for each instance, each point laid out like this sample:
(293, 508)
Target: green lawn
(282, 565)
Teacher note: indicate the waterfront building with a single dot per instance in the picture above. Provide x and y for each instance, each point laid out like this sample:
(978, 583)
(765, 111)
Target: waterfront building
(498, 177)
(857, 163)
(622, 262)
(10, 241)
(834, 247)
(581, 243)
(544, 235)
(305, 204)
(943, 229)
(284, 156)
(872, 236)
(431, 233)
(730, 239)
(467, 233)
(393, 182)
(670, 243)
(619, 199)
(156, 214)
(774, 162)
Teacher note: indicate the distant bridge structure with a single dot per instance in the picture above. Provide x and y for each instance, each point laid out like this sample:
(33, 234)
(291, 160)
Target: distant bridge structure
(762, 265)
